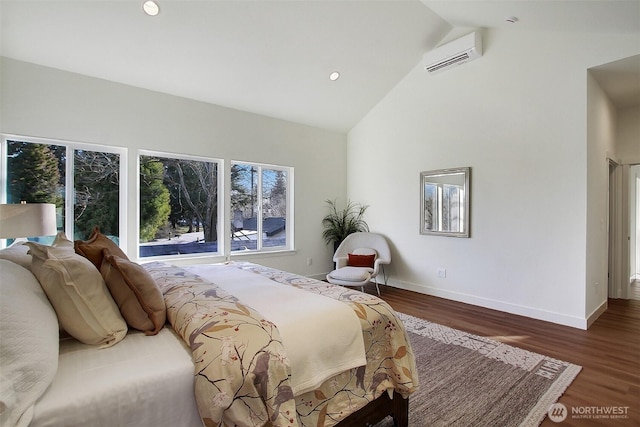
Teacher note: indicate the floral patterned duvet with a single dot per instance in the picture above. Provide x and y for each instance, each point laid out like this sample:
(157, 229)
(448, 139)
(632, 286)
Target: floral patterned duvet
(241, 368)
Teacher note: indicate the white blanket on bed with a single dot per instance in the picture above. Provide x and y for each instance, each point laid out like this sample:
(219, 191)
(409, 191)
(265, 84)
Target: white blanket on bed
(321, 336)
(141, 381)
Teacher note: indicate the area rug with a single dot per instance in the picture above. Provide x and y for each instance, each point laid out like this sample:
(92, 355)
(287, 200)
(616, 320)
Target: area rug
(468, 380)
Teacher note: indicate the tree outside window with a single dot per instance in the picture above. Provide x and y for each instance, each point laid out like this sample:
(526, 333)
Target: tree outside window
(38, 173)
(179, 196)
(178, 205)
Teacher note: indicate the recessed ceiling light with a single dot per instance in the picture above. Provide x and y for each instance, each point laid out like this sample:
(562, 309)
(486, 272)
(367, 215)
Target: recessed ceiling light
(151, 8)
(334, 76)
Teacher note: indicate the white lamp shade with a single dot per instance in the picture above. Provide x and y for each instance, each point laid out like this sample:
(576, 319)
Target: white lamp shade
(27, 220)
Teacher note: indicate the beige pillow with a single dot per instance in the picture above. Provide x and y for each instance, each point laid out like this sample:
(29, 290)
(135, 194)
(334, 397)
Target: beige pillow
(78, 293)
(17, 253)
(140, 301)
(92, 248)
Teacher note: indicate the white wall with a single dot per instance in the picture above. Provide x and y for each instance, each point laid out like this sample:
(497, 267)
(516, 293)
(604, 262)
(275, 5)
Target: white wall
(601, 143)
(518, 117)
(42, 102)
(613, 133)
(628, 150)
(628, 146)
(628, 134)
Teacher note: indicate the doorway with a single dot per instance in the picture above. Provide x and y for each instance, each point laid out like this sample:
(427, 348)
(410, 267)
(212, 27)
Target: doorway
(634, 228)
(618, 259)
(624, 231)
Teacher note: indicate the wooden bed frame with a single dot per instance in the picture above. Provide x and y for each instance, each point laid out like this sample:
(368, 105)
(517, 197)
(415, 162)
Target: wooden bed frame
(376, 411)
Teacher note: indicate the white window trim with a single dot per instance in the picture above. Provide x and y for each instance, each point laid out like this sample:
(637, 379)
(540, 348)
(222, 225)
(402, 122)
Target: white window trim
(222, 243)
(290, 246)
(69, 184)
(224, 238)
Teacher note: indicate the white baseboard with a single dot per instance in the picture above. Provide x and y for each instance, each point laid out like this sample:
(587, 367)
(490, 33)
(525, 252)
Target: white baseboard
(535, 313)
(597, 312)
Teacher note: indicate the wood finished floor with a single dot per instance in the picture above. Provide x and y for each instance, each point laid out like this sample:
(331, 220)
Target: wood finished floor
(609, 352)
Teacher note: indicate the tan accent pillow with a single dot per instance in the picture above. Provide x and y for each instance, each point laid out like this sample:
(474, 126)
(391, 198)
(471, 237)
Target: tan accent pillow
(78, 294)
(140, 301)
(92, 248)
(17, 253)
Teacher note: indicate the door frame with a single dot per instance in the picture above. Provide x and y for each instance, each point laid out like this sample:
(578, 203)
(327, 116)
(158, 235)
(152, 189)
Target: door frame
(618, 229)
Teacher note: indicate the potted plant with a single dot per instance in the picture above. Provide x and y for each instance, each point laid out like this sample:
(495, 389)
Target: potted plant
(338, 224)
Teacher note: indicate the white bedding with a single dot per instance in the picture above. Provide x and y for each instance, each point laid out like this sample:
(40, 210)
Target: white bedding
(144, 381)
(321, 336)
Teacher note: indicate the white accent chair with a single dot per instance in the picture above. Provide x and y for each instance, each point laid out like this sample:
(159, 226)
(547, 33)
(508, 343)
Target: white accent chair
(360, 243)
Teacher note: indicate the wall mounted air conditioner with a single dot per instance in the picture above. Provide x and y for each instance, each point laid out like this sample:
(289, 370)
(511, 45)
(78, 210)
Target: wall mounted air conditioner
(449, 55)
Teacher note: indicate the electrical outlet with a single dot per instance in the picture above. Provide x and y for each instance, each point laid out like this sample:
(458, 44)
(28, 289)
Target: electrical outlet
(442, 272)
(309, 261)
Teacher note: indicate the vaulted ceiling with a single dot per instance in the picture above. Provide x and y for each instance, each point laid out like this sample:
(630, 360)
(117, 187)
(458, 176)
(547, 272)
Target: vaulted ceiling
(274, 57)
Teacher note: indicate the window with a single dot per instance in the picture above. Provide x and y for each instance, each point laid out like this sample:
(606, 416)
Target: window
(179, 200)
(180, 197)
(83, 181)
(260, 207)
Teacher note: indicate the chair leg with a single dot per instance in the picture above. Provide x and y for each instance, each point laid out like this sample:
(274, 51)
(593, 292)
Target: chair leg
(375, 279)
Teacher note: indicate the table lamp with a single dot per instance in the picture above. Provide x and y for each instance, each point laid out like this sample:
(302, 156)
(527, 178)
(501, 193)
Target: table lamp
(27, 220)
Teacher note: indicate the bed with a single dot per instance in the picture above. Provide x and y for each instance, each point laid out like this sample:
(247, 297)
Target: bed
(215, 343)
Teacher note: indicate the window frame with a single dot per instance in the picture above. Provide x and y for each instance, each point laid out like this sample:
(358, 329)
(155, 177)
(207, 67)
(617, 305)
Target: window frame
(70, 147)
(289, 233)
(221, 177)
(125, 190)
